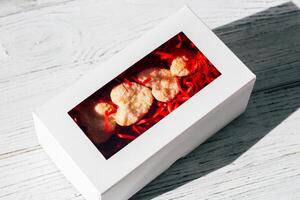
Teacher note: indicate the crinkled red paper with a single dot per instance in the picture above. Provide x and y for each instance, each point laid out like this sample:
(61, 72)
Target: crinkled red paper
(160, 57)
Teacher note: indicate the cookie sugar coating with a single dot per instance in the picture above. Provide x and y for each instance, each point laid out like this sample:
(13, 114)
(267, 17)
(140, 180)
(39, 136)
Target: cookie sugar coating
(133, 100)
(183, 64)
(164, 85)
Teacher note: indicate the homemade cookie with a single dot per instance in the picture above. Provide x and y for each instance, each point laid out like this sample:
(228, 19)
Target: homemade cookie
(164, 85)
(183, 63)
(133, 100)
(99, 121)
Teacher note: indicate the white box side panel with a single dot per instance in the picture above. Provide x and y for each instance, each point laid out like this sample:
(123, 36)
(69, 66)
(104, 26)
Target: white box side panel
(187, 141)
(64, 162)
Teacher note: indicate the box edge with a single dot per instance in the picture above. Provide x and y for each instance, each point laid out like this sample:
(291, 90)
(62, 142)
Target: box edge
(63, 161)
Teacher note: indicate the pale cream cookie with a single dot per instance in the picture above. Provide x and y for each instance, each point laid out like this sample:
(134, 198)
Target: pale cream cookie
(164, 85)
(133, 100)
(99, 121)
(103, 108)
(183, 63)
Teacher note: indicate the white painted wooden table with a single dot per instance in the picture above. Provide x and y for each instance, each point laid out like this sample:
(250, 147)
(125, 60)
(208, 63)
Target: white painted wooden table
(47, 45)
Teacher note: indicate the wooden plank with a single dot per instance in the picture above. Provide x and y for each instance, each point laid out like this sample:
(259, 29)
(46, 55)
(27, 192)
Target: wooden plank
(59, 52)
(268, 43)
(44, 47)
(229, 160)
(13, 7)
(233, 149)
(29, 174)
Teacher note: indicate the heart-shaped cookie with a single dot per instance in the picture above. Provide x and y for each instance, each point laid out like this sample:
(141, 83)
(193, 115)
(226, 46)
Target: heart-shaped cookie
(133, 101)
(164, 86)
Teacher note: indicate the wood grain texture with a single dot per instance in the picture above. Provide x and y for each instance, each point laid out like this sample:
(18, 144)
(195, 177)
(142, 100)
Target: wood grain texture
(47, 45)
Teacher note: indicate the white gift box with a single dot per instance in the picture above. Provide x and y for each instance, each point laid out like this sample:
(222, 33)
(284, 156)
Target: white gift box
(112, 152)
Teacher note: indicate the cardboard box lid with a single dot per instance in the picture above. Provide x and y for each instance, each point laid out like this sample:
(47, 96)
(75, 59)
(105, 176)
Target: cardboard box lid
(105, 173)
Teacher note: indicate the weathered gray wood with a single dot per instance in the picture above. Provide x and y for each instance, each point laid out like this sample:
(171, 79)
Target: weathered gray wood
(269, 44)
(47, 45)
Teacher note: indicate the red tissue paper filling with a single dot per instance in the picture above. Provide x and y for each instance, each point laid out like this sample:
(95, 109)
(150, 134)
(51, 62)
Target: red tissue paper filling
(203, 73)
